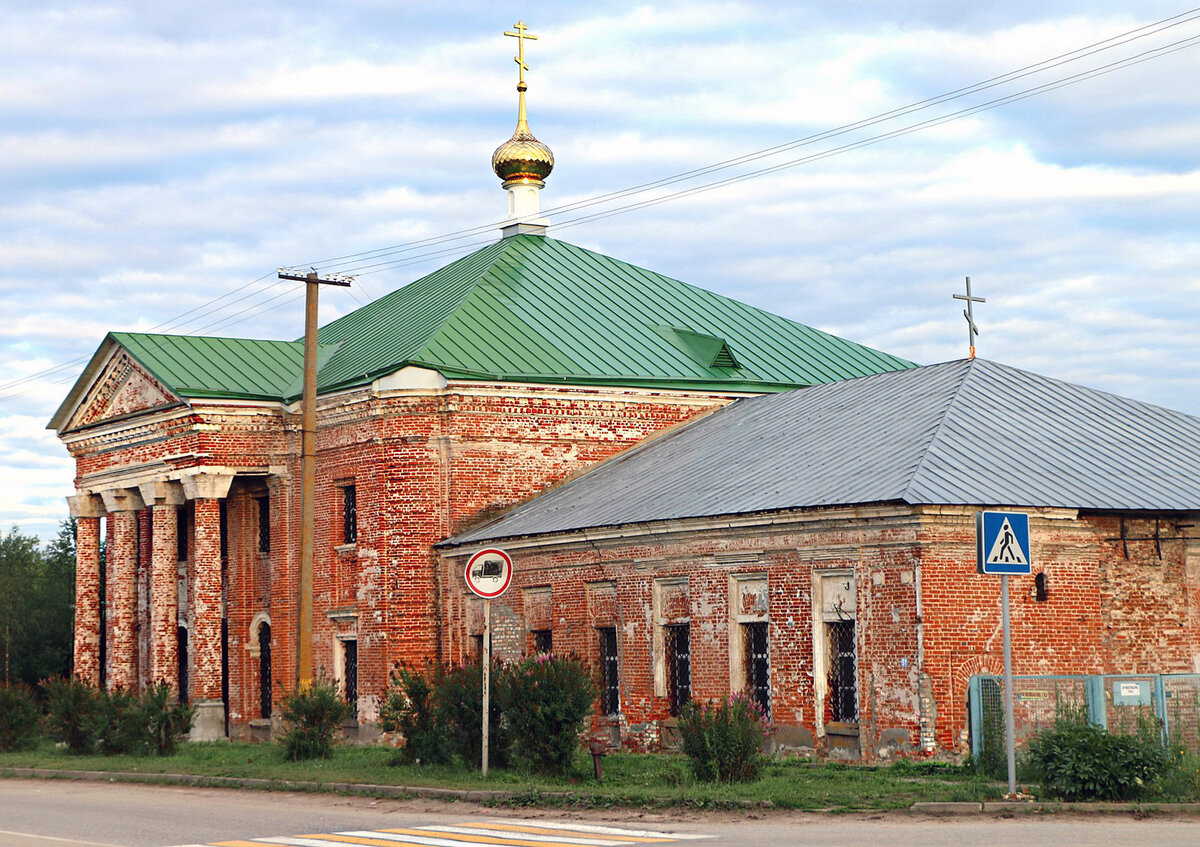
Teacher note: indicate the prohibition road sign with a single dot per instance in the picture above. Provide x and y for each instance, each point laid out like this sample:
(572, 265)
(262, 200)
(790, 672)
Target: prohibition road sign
(489, 572)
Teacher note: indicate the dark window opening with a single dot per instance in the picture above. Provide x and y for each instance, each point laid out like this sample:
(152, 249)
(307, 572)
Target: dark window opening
(843, 686)
(349, 515)
(758, 666)
(264, 524)
(225, 671)
(679, 666)
(181, 637)
(181, 533)
(264, 670)
(1040, 593)
(610, 694)
(350, 659)
(103, 601)
(223, 529)
(543, 640)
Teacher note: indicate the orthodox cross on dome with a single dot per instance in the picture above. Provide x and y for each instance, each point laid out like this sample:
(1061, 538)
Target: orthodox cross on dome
(521, 35)
(969, 314)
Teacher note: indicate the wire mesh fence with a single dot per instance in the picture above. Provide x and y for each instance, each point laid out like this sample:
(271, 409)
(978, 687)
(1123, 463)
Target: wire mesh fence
(1119, 703)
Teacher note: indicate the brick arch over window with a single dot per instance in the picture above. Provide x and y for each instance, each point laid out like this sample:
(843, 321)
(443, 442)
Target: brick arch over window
(972, 666)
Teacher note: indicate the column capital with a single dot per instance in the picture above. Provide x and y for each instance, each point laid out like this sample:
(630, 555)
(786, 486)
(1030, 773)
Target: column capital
(162, 492)
(122, 499)
(206, 485)
(86, 505)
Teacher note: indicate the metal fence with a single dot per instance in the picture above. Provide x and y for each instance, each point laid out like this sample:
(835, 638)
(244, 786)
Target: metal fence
(1118, 702)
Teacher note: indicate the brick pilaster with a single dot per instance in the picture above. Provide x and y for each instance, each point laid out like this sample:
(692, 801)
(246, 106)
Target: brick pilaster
(205, 593)
(165, 498)
(87, 509)
(122, 554)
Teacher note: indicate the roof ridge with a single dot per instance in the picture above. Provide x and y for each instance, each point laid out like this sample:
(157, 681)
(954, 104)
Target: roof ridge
(924, 451)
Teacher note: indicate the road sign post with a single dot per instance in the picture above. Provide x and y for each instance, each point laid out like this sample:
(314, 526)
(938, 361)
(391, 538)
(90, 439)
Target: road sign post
(1002, 547)
(488, 574)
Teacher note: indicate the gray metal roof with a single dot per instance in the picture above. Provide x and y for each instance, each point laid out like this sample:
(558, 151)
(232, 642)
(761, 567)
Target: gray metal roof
(968, 432)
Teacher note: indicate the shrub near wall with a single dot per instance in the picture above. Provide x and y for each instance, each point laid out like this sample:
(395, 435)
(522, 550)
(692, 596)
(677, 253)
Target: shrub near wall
(545, 699)
(313, 716)
(723, 741)
(409, 707)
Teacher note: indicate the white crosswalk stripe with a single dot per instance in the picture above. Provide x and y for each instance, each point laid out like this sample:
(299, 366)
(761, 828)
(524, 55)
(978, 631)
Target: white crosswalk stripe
(497, 832)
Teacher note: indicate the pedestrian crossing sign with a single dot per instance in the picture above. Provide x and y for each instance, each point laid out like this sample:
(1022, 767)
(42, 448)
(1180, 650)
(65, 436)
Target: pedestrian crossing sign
(1002, 543)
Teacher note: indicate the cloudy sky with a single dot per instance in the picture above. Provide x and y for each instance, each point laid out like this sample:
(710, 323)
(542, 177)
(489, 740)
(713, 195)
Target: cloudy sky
(161, 159)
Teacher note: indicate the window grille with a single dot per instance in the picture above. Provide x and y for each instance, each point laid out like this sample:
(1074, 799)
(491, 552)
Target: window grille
(543, 640)
(843, 687)
(223, 530)
(679, 666)
(350, 653)
(264, 524)
(609, 668)
(264, 670)
(758, 668)
(349, 515)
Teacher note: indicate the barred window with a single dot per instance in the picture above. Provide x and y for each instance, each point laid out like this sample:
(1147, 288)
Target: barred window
(679, 666)
(349, 515)
(264, 524)
(350, 656)
(843, 684)
(610, 695)
(758, 667)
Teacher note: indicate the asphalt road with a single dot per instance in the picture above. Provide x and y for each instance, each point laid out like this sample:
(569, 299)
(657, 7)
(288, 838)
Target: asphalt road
(60, 813)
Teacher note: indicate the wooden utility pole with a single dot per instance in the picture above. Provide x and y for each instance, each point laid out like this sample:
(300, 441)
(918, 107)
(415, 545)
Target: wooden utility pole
(308, 453)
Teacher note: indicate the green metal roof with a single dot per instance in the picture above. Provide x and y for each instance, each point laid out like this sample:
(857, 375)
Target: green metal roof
(535, 309)
(529, 309)
(241, 368)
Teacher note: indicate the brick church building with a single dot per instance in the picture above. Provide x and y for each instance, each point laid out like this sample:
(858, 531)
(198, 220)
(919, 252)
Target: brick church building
(736, 534)
(440, 404)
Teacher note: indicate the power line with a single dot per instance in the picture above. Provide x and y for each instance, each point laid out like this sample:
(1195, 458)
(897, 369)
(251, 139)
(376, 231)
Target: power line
(362, 263)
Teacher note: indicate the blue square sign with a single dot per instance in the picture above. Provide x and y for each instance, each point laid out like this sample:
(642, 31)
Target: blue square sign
(1002, 543)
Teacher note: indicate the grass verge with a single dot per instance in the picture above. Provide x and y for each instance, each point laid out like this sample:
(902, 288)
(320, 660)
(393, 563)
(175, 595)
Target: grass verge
(630, 780)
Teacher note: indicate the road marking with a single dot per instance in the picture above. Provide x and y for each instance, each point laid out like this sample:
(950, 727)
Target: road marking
(505, 832)
(52, 838)
(536, 834)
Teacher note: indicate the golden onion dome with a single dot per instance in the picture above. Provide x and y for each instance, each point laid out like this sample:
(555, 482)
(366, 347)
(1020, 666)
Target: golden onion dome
(523, 159)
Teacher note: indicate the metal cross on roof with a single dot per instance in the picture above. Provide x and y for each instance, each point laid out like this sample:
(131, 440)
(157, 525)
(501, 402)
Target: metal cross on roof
(521, 35)
(972, 330)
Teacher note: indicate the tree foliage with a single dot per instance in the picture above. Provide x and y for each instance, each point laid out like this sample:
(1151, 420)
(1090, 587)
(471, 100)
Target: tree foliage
(37, 596)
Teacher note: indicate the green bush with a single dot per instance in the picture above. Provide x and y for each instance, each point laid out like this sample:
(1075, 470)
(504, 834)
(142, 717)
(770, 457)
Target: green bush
(408, 706)
(313, 716)
(723, 741)
(545, 699)
(18, 716)
(162, 721)
(1077, 760)
(458, 700)
(75, 714)
(120, 728)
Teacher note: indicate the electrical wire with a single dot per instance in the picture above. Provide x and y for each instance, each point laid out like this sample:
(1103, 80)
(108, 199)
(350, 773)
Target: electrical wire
(366, 262)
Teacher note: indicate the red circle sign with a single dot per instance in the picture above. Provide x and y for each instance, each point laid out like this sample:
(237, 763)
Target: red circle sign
(489, 572)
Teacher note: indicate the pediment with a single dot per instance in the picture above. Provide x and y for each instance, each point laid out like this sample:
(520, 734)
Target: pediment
(123, 388)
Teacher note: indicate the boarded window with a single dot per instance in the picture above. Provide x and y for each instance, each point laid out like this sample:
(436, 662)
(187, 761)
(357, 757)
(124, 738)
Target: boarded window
(610, 696)
(679, 665)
